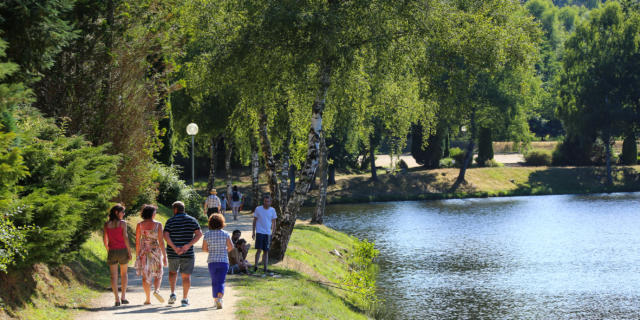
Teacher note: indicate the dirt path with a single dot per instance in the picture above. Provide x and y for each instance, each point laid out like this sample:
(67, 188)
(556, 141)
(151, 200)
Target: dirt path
(508, 159)
(200, 298)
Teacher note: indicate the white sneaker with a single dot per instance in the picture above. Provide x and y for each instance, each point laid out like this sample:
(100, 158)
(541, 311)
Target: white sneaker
(219, 303)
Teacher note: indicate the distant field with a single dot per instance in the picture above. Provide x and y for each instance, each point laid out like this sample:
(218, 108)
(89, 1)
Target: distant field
(510, 147)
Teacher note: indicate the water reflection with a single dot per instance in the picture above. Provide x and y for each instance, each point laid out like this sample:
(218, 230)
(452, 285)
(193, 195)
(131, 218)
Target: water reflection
(548, 257)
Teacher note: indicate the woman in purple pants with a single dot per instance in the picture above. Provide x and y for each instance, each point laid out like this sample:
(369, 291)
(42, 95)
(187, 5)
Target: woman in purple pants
(218, 243)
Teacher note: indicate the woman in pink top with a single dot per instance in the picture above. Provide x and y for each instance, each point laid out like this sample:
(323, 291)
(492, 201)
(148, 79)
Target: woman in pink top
(116, 241)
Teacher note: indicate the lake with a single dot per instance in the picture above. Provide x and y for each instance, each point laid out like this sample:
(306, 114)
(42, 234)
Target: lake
(542, 257)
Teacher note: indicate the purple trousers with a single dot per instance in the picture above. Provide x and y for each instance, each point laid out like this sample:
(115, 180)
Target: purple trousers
(218, 273)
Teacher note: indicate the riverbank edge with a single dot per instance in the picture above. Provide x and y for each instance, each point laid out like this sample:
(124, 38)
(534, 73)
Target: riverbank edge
(312, 282)
(483, 183)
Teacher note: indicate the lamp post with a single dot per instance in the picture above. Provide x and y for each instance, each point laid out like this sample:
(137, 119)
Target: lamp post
(192, 130)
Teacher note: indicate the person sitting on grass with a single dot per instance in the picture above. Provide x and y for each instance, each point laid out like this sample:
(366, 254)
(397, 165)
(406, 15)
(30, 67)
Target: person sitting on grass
(235, 236)
(237, 264)
(264, 224)
(217, 243)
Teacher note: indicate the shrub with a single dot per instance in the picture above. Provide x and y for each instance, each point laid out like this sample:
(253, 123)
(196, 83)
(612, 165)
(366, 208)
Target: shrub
(458, 156)
(573, 151)
(171, 188)
(430, 155)
(68, 192)
(447, 163)
(485, 146)
(538, 158)
(492, 163)
(629, 154)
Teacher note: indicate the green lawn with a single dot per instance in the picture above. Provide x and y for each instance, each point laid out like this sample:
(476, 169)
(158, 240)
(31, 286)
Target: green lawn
(306, 288)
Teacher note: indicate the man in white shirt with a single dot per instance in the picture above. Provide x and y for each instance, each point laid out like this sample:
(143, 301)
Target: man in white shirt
(264, 224)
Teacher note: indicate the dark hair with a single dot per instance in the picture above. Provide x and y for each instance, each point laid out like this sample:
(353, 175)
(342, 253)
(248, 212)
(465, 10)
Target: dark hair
(266, 195)
(148, 211)
(240, 242)
(113, 213)
(236, 231)
(178, 205)
(235, 188)
(216, 222)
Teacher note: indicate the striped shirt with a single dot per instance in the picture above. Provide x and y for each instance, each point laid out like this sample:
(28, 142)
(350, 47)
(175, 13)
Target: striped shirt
(217, 245)
(181, 228)
(212, 202)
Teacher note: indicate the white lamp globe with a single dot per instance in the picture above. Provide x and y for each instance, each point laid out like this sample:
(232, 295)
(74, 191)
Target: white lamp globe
(192, 129)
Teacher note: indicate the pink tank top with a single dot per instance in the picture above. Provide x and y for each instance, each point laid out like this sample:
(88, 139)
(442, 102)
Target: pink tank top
(116, 239)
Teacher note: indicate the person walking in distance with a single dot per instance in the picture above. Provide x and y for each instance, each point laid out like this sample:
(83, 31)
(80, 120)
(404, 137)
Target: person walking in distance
(181, 232)
(150, 252)
(217, 243)
(116, 241)
(212, 204)
(236, 202)
(264, 224)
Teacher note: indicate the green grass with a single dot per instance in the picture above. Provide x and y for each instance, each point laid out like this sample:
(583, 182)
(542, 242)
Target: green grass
(305, 289)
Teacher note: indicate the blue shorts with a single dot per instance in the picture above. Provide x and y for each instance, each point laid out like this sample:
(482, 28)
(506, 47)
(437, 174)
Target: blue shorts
(263, 241)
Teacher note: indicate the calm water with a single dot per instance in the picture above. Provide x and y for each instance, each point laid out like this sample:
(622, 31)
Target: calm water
(546, 257)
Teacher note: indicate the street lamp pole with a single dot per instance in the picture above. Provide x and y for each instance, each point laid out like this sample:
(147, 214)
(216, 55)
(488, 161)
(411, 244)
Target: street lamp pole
(192, 130)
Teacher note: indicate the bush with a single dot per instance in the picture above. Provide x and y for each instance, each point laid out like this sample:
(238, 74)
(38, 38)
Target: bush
(458, 156)
(67, 193)
(538, 158)
(447, 163)
(573, 151)
(485, 146)
(629, 154)
(492, 163)
(171, 188)
(430, 155)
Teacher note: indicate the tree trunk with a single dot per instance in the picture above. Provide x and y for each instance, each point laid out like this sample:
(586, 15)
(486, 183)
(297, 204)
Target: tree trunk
(255, 171)
(332, 175)
(227, 166)
(292, 178)
(318, 216)
(468, 155)
(270, 163)
(372, 159)
(607, 142)
(286, 221)
(284, 170)
(212, 164)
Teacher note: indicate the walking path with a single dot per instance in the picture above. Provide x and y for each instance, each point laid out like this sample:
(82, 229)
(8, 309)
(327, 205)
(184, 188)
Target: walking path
(200, 297)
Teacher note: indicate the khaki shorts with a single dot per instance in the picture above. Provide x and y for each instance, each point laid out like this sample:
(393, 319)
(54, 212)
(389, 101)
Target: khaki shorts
(182, 265)
(118, 256)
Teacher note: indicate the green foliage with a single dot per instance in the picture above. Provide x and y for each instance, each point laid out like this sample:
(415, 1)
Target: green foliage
(361, 278)
(171, 188)
(429, 156)
(598, 85)
(13, 240)
(447, 163)
(68, 192)
(457, 155)
(538, 158)
(36, 31)
(485, 146)
(629, 154)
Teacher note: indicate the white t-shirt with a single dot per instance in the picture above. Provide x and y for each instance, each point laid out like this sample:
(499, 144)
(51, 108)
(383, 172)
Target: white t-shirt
(263, 223)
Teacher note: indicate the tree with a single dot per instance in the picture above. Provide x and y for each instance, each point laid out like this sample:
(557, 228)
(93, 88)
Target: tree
(599, 79)
(477, 71)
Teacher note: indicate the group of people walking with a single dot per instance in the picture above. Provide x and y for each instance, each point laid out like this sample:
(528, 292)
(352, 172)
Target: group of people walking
(172, 247)
(214, 204)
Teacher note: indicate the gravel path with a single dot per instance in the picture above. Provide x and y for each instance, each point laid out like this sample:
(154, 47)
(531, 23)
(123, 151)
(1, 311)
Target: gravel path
(509, 159)
(200, 297)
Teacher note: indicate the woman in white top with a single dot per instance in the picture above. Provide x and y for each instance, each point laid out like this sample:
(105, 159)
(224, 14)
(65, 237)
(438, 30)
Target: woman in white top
(218, 243)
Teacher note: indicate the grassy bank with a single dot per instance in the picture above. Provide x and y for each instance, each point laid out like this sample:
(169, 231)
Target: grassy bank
(312, 282)
(481, 182)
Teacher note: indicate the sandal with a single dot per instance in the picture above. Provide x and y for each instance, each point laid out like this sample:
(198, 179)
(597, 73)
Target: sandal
(147, 303)
(124, 301)
(158, 296)
(117, 303)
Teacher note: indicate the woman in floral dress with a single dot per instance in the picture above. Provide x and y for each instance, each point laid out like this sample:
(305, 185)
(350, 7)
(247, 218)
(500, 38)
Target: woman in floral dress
(150, 252)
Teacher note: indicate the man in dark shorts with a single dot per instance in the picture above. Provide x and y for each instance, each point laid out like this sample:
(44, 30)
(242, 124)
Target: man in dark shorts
(181, 232)
(212, 204)
(264, 223)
